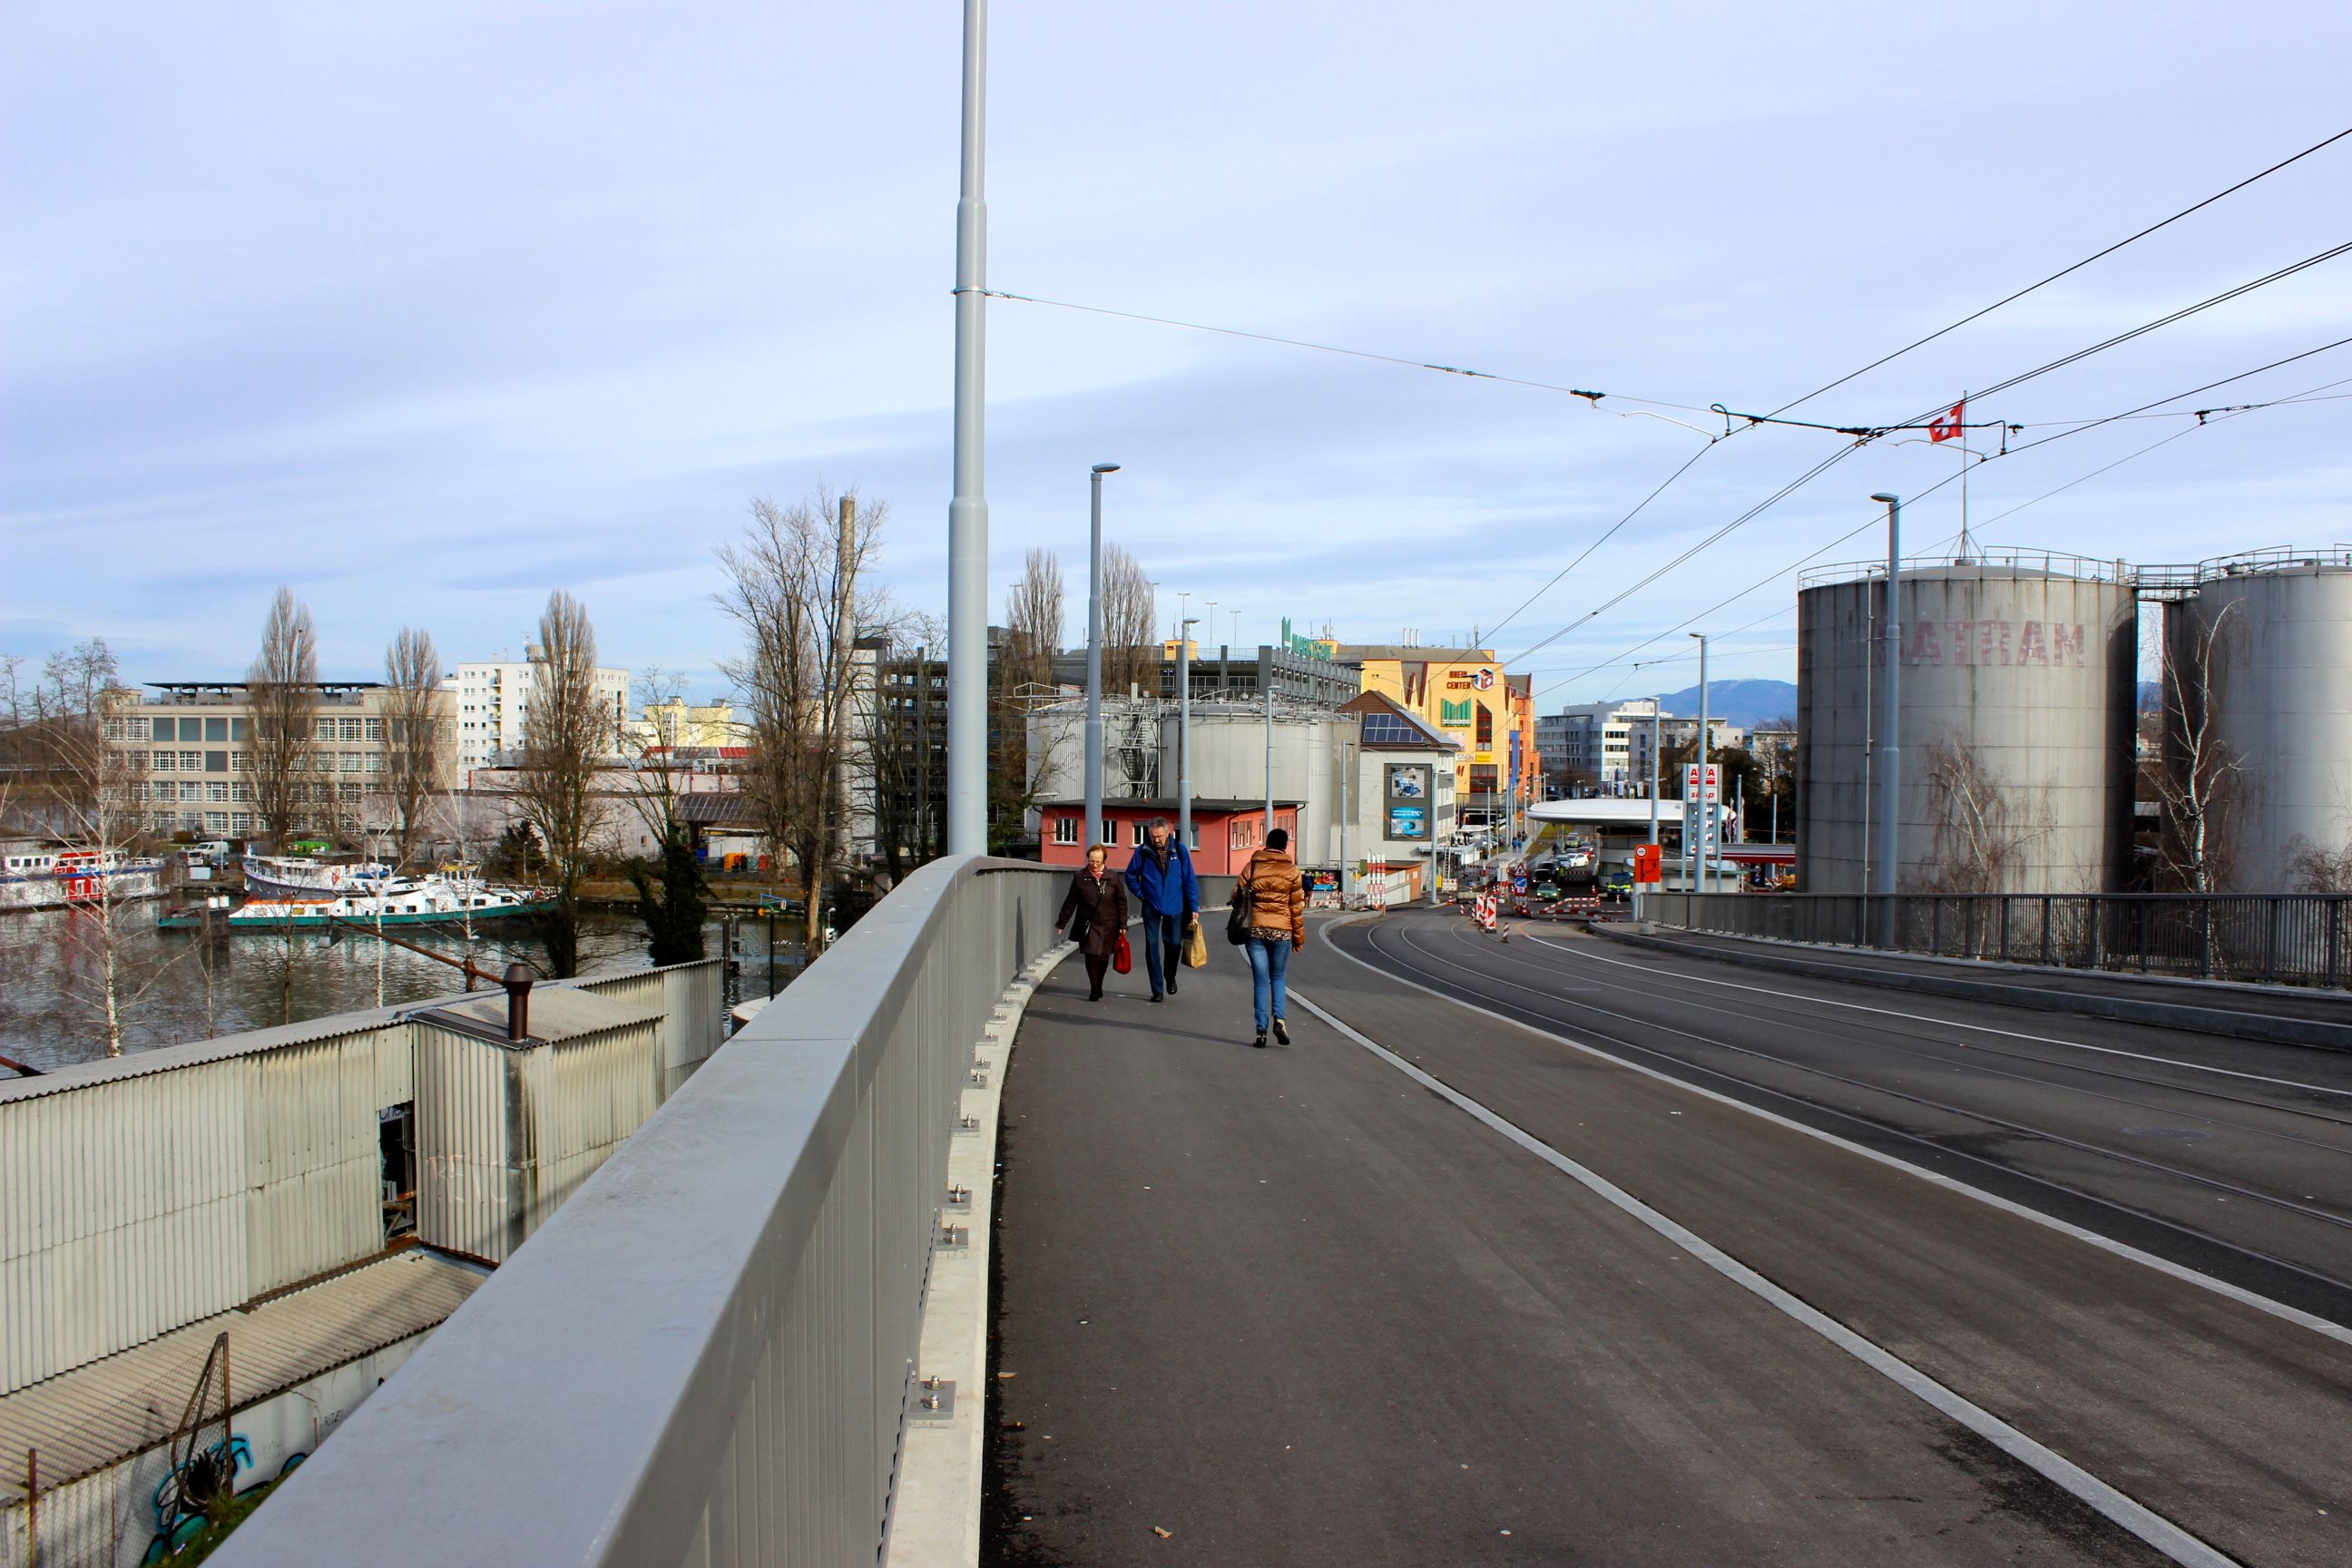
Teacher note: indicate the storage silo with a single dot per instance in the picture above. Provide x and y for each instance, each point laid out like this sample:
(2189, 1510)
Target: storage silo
(2272, 634)
(2019, 679)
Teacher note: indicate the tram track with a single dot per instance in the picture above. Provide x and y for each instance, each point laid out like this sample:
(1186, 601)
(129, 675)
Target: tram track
(1570, 1009)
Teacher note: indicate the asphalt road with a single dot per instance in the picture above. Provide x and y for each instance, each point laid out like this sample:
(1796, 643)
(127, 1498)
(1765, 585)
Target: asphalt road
(1295, 1307)
(2231, 1157)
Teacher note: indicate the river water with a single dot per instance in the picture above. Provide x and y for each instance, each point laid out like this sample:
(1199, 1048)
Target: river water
(172, 988)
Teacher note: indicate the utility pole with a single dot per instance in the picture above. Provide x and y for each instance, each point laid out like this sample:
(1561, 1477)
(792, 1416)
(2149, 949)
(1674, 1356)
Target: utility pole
(1706, 827)
(1184, 731)
(1093, 759)
(1890, 750)
(1268, 667)
(968, 511)
(1658, 731)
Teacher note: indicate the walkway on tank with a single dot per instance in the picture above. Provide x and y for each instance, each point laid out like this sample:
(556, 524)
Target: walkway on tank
(1440, 1283)
(2312, 1016)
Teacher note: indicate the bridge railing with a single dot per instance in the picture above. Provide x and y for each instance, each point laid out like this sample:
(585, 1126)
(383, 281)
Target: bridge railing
(2297, 939)
(705, 1358)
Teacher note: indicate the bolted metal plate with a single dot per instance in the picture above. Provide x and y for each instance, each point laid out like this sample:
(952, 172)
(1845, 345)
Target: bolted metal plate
(954, 1237)
(959, 1198)
(934, 1400)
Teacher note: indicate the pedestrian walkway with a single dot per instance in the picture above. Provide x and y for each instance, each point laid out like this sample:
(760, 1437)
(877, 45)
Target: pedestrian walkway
(1291, 1307)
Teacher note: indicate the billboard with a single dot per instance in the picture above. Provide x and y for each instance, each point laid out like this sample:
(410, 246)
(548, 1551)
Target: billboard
(1405, 796)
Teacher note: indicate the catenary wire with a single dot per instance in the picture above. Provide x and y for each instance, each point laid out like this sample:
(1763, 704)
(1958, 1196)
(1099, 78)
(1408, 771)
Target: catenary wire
(2063, 271)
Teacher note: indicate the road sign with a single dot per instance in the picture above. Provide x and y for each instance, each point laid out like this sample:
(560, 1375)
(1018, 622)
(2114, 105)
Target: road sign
(1646, 858)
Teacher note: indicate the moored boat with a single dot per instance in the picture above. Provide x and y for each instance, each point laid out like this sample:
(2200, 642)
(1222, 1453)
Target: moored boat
(279, 876)
(396, 901)
(34, 877)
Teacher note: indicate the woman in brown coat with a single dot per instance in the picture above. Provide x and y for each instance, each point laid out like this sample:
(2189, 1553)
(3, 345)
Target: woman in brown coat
(1095, 910)
(1278, 927)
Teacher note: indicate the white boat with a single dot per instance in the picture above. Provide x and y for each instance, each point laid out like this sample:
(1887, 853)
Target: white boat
(279, 875)
(397, 901)
(48, 878)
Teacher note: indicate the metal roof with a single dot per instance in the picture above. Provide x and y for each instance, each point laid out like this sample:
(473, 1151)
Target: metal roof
(98, 1415)
(556, 1015)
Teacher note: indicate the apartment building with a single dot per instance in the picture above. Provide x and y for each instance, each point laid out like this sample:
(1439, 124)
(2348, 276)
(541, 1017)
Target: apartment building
(494, 699)
(186, 747)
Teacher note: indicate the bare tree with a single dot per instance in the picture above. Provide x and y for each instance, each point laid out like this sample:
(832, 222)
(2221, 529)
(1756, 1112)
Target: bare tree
(657, 764)
(1033, 620)
(793, 590)
(2201, 782)
(83, 787)
(564, 732)
(416, 757)
(1980, 834)
(282, 687)
(1131, 626)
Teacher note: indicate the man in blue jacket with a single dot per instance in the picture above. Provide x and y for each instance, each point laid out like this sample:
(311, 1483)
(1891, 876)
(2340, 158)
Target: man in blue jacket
(1159, 876)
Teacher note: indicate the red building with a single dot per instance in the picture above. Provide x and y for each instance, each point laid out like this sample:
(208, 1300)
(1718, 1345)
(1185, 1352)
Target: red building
(1225, 833)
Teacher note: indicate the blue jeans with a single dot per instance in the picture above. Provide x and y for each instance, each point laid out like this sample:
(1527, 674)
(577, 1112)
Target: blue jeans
(1163, 948)
(1268, 960)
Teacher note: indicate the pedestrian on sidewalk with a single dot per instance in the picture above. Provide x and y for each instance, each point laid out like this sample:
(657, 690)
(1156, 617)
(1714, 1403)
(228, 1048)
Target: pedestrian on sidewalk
(1278, 927)
(1168, 896)
(1095, 910)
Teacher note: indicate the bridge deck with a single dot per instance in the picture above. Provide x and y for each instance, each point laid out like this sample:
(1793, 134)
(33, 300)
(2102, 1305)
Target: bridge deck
(1295, 1307)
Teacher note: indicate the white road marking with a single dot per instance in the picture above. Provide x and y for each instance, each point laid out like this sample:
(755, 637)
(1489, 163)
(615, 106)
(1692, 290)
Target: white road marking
(1947, 1023)
(2239, 1294)
(2140, 1521)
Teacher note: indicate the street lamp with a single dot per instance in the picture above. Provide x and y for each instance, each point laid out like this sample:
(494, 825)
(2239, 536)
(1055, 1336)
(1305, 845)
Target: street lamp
(1184, 730)
(1093, 661)
(1706, 806)
(1890, 750)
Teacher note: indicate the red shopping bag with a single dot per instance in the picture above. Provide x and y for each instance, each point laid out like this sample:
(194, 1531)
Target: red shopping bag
(1122, 957)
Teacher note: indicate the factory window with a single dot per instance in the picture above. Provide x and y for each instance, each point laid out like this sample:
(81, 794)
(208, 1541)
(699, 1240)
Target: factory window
(216, 761)
(217, 792)
(1135, 827)
(217, 822)
(1485, 725)
(351, 728)
(1065, 830)
(326, 730)
(240, 822)
(191, 762)
(166, 762)
(375, 729)
(191, 790)
(237, 729)
(215, 729)
(192, 729)
(240, 789)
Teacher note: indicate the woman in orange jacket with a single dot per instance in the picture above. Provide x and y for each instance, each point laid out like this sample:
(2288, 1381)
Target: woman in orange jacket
(1278, 927)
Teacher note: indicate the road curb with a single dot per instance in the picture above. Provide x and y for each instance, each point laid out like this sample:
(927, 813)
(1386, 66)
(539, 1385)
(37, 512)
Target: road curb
(2222, 1021)
(935, 1520)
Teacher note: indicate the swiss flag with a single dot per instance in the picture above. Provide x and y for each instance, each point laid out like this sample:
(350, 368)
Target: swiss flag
(1949, 426)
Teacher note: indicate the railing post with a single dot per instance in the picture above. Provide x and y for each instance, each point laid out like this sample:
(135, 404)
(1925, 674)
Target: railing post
(2045, 931)
(2335, 936)
(2270, 939)
(2098, 935)
(1935, 925)
(2004, 928)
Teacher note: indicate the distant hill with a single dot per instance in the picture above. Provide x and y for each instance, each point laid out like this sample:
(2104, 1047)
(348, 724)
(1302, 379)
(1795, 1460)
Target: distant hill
(1743, 702)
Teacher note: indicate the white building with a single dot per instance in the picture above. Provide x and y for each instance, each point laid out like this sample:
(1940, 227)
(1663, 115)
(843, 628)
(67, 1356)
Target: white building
(1600, 747)
(493, 699)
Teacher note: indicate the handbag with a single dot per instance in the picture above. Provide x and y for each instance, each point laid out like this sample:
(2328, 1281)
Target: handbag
(1196, 948)
(1237, 923)
(1122, 957)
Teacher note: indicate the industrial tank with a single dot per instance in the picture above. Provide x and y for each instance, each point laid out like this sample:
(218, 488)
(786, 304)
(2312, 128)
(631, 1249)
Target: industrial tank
(2019, 676)
(2273, 632)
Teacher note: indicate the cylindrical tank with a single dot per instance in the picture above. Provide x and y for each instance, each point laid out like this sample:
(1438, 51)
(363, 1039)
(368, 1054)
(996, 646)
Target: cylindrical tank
(2266, 737)
(2019, 675)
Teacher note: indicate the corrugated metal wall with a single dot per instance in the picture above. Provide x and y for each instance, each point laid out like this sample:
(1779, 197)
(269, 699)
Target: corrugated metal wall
(143, 1193)
(132, 1205)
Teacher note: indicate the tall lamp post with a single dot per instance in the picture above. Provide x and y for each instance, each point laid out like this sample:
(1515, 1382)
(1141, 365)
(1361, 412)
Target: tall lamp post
(1184, 730)
(1094, 660)
(1890, 750)
(968, 511)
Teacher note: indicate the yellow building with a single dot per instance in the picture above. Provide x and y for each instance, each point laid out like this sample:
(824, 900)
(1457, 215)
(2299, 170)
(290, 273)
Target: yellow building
(688, 726)
(1466, 692)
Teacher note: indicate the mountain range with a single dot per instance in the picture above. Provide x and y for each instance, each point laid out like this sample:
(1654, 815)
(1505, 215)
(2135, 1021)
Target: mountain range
(1743, 702)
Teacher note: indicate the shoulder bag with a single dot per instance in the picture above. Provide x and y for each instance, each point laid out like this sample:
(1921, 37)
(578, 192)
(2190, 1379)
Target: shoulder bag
(1237, 923)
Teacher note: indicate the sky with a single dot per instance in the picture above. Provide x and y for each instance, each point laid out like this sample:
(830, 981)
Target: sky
(426, 310)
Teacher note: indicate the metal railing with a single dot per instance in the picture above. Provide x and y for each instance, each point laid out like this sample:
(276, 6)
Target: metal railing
(2292, 939)
(706, 1356)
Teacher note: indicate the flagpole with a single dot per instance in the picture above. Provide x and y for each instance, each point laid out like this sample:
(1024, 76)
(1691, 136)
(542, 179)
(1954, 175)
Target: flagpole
(1965, 552)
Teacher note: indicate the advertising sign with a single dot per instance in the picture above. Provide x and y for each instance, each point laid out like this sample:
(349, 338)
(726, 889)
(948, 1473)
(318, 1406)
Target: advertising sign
(1321, 880)
(1702, 792)
(1404, 790)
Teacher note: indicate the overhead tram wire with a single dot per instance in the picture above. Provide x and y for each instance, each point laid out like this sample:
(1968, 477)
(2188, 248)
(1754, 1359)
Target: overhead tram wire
(1592, 397)
(1875, 522)
(2015, 381)
(2064, 272)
